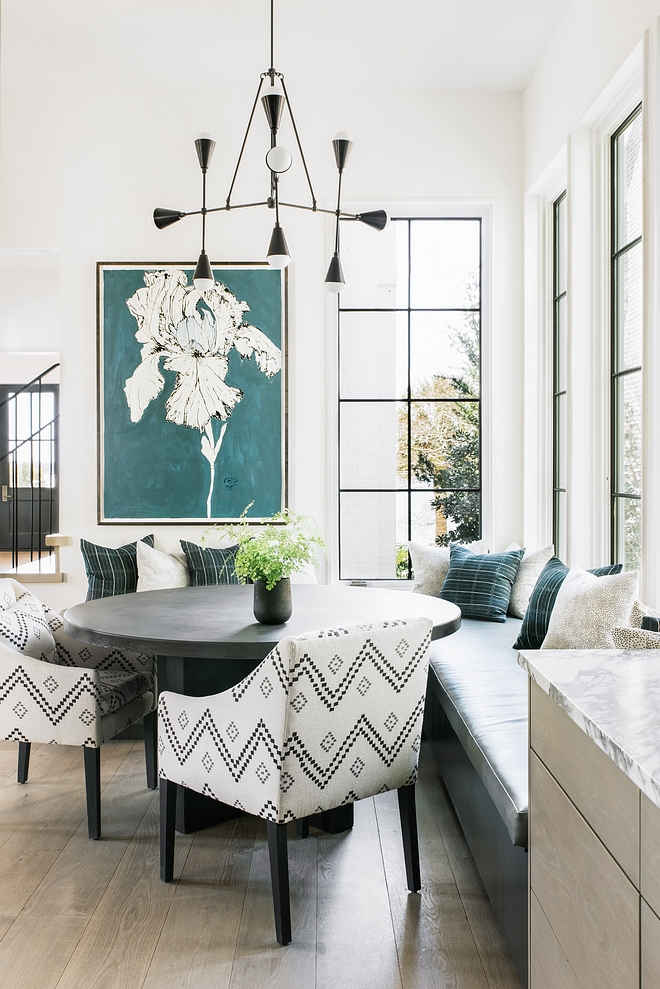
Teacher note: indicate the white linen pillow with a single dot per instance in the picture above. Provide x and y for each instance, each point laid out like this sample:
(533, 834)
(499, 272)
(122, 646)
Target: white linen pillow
(588, 607)
(430, 565)
(525, 582)
(157, 570)
(635, 638)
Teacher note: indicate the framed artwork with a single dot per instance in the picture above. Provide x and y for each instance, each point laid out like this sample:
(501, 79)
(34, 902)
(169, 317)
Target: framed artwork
(192, 394)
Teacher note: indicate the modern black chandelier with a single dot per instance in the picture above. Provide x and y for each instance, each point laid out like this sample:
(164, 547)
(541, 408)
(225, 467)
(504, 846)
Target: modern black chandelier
(278, 160)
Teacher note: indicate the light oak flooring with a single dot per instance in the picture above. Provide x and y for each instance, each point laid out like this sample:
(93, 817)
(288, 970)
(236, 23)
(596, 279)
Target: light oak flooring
(79, 914)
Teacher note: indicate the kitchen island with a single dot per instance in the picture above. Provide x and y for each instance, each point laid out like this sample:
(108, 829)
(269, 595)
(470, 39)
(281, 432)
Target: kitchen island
(594, 815)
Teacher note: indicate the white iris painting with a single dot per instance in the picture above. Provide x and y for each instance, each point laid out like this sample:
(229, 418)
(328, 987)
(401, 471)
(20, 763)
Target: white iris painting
(201, 357)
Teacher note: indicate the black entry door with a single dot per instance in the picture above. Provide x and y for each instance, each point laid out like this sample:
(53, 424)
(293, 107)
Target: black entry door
(29, 496)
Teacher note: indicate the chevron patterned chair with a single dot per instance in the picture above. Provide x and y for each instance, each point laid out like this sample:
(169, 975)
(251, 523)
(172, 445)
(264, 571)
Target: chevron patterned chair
(56, 690)
(326, 719)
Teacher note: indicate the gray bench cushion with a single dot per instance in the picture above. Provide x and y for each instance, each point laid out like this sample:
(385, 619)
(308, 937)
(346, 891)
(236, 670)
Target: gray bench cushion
(483, 692)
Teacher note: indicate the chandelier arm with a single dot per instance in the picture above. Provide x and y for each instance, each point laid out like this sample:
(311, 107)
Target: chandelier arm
(319, 209)
(302, 153)
(247, 131)
(225, 209)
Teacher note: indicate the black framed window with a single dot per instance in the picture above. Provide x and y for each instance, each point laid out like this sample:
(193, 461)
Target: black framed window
(627, 311)
(559, 375)
(409, 415)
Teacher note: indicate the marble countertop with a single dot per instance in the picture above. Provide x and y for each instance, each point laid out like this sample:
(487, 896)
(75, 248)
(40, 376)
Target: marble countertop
(613, 696)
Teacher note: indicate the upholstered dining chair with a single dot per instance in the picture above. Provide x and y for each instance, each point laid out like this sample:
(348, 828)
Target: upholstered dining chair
(326, 719)
(56, 690)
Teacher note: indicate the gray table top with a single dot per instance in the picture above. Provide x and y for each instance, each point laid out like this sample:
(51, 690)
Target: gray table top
(217, 622)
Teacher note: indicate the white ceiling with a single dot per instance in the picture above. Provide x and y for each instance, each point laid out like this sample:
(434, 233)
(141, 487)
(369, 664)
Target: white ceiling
(349, 45)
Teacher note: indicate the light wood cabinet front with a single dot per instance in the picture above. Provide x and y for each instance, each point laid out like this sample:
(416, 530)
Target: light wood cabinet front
(589, 903)
(650, 948)
(650, 854)
(606, 797)
(550, 968)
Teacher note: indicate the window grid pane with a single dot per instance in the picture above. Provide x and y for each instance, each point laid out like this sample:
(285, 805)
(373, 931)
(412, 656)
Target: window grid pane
(412, 458)
(626, 347)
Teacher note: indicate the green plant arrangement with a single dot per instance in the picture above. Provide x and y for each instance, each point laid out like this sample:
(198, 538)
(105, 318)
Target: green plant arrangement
(273, 548)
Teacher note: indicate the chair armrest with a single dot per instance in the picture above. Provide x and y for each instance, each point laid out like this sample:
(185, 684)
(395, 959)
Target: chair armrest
(228, 745)
(41, 702)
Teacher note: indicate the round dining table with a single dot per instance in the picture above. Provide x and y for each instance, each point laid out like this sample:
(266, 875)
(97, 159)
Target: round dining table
(206, 640)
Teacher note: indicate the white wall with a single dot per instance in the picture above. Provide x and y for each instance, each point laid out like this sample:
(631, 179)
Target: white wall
(106, 159)
(591, 44)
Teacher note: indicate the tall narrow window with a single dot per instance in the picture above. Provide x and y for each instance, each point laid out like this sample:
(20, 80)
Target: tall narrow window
(627, 324)
(409, 392)
(29, 503)
(559, 376)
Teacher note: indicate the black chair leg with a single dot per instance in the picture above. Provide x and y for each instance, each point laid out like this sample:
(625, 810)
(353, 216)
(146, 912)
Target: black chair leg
(167, 820)
(279, 876)
(150, 722)
(23, 761)
(93, 791)
(408, 817)
(302, 827)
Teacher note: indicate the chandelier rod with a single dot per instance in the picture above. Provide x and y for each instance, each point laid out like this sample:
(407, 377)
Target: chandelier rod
(247, 131)
(300, 149)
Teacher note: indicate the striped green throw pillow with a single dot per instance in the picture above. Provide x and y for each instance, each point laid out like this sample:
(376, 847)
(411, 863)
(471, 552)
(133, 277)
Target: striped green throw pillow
(209, 565)
(481, 583)
(542, 600)
(111, 571)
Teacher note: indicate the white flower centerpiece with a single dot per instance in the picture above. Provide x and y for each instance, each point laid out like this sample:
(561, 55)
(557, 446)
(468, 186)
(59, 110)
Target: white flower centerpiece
(193, 334)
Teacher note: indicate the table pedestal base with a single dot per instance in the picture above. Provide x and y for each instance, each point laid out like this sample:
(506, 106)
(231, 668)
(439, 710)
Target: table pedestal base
(333, 821)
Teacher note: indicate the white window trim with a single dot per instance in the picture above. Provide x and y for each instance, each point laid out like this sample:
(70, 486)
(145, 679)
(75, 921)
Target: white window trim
(479, 209)
(586, 178)
(538, 474)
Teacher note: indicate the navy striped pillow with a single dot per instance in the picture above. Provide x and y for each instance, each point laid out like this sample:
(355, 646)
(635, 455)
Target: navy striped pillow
(210, 565)
(542, 600)
(481, 583)
(111, 571)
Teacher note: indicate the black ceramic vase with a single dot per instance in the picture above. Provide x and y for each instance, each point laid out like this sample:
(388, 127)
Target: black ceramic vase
(273, 607)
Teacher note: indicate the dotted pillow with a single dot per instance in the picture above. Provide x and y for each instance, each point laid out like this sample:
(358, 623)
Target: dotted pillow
(480, 583)
(111, 571)
(635, 638)
(210, 565)
(638, 613)
(542, 600)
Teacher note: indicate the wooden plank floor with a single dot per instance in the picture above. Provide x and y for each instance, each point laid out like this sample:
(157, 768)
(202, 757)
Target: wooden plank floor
(77, 914)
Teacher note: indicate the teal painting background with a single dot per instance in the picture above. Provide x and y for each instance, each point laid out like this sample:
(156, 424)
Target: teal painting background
(154, 469)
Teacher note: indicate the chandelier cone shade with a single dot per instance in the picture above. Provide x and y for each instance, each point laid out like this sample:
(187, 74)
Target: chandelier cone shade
(278, 250)
(203, 278)
(334, 280)
(166, 217)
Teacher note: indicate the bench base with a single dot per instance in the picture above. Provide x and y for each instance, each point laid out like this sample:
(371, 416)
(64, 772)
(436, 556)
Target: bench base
(502, 866)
